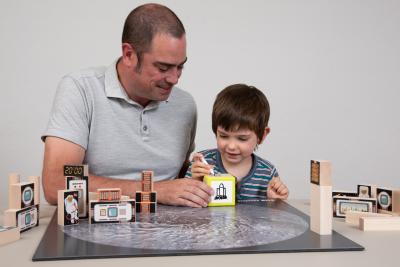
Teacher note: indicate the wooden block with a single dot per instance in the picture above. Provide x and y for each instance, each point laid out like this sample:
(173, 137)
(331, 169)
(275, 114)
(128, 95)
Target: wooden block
(366, 190)
(9, 234)
(224, 190)
(343, 204)
(67, 207)
(115, 211)
(380, 223)
(13, 178)
(146, 196)
(321, 172)
(123, 197)
(36, 181)
(388, 200)
(353, 217)
(93, 196)
(24, 219)
(146, 207)
(21, 195)
(147, 181)
(107, 194)
(341, 193)
(81, 184)
(321, 209)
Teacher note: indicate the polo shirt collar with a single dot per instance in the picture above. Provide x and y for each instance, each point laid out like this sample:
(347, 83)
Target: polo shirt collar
(114, 88)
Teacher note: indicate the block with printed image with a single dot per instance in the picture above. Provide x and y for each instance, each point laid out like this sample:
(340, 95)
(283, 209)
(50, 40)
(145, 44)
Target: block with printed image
(224, 187)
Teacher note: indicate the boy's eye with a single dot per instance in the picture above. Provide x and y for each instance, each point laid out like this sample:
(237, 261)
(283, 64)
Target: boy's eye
(243, 138)
(223, 136)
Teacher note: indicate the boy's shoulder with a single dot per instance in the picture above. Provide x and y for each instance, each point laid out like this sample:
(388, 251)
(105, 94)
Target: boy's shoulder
(263, 163)
(209, 153)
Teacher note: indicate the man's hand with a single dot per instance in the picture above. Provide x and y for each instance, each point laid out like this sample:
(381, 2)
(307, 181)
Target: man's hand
(277, 189)
(199, 169)
(183, 192)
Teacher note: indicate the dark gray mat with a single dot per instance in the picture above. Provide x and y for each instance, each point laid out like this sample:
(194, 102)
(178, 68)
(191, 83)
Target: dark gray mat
(251, 227)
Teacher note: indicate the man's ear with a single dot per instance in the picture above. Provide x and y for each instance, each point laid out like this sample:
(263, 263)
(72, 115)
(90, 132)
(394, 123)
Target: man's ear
(129, 56)
(267, 130)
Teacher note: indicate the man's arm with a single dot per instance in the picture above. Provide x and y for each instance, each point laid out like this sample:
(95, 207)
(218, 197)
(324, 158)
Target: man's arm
(59, 152)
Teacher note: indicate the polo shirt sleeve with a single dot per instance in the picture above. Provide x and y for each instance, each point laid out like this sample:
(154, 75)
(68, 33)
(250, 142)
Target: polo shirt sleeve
(69, 117)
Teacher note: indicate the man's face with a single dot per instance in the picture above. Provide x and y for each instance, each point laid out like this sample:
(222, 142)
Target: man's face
(160, 69)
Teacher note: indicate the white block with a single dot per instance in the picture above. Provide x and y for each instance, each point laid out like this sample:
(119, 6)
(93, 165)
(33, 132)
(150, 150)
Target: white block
(321, 209)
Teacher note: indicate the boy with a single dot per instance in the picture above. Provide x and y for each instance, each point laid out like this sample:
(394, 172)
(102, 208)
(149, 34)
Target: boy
(240, 123)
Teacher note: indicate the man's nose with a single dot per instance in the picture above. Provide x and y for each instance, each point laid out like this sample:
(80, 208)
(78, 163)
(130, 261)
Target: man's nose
(173, 76)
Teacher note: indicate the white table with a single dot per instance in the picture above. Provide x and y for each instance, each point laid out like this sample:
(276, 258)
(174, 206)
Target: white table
(381, 249)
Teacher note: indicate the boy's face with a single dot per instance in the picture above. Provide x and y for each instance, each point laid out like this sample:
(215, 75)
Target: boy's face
(237, 146)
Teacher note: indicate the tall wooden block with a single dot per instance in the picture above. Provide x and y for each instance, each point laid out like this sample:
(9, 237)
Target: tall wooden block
(147, 181)
(321, 171)
(68, 207)
(13, 178)
(9, 234)
(321, 209)
(21, 195)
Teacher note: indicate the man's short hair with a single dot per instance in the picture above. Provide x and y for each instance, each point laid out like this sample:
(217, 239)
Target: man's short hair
(240, 106)
(145, 21)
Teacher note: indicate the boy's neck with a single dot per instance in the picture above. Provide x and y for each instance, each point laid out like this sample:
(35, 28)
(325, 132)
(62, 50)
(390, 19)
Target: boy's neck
(238, 170)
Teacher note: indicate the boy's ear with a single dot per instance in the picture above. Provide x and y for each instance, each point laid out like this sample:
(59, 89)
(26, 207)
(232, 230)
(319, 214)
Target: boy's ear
(266, 132)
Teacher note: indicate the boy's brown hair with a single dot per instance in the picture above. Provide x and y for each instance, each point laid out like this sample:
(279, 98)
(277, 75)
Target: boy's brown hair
(240, 106)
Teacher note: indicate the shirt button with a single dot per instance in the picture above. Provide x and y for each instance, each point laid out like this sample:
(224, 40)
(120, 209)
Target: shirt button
(145, 128)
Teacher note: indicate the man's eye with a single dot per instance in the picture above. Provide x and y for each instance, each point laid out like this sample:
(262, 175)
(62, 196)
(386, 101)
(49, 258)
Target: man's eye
(180, 67)
(162, 69)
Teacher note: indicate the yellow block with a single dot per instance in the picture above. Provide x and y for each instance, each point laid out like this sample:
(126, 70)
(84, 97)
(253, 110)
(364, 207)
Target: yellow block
(224, 190)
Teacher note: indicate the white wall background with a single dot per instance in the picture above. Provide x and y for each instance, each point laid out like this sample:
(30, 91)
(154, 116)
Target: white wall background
(331, 70)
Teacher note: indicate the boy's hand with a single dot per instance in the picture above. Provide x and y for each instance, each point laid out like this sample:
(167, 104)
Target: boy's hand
(199, 169)
(277, 189)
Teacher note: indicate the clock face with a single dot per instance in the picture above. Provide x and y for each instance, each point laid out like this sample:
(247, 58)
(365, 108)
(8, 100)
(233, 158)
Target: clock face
(76, 171)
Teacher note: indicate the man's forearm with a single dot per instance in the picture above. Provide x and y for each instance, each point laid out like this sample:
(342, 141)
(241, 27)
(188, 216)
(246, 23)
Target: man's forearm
(51, 186)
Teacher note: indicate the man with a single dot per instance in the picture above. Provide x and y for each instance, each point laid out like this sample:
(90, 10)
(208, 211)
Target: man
(129, 117)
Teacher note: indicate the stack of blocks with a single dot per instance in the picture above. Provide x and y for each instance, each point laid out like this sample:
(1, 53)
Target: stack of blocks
(111, 207)
(146, 200)
(372, 208)
(224, 187)
(23, 198)
(73, 201)
(321, 197)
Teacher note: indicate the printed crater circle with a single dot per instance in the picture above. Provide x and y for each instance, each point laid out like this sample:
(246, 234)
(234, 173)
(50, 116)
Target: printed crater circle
(178, 228)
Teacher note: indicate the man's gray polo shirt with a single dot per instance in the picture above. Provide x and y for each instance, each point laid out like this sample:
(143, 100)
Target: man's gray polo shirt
(121, 138)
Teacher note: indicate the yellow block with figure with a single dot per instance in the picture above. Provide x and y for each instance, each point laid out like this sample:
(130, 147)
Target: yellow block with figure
(224, 189)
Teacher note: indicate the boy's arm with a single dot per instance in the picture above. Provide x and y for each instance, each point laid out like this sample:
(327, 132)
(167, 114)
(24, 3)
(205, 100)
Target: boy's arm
(277, 189)
(198, 169)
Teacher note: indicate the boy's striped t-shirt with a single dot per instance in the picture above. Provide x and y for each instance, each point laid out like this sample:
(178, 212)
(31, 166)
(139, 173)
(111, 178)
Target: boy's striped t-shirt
(254, 185)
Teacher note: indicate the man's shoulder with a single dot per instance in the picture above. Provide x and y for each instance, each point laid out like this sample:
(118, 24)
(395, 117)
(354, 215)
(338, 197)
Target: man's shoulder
(87, 73)
(181, 96)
